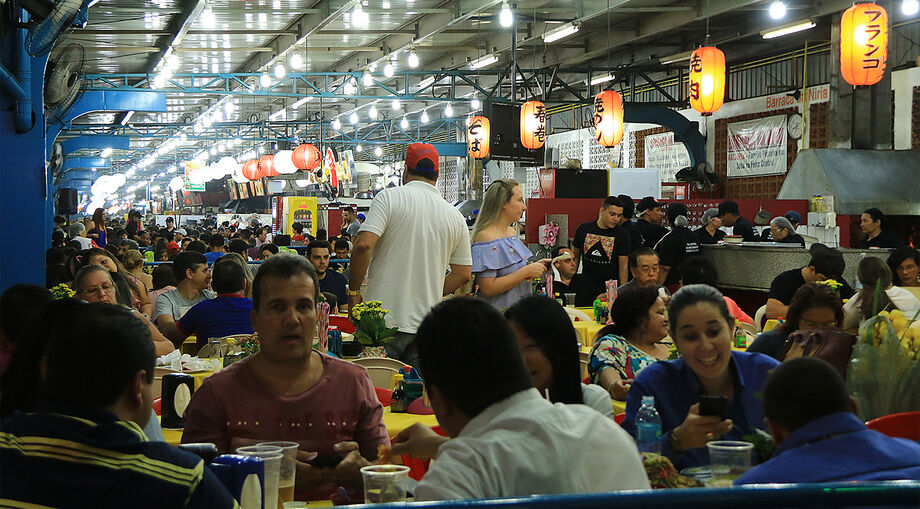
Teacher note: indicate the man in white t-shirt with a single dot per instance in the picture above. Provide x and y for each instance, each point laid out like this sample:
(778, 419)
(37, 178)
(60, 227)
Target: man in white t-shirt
(405, 246)
(507, 439)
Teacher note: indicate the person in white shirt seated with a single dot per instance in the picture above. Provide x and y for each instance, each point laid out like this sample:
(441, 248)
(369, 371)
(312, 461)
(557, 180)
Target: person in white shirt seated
(506, 439)
(874, 271)
(549, 346)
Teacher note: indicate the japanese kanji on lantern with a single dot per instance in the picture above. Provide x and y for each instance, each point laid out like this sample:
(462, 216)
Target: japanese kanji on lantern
(863, 44)
(707, 80)
(608, 118)
(306, 157)
(533, 124)
(477, 137)
(251, 169)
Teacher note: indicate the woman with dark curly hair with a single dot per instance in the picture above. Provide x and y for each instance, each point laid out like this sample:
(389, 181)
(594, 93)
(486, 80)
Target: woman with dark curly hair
(814, 306)
(904, 263)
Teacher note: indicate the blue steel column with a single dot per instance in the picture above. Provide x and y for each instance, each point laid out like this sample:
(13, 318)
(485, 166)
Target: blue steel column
(25, 204)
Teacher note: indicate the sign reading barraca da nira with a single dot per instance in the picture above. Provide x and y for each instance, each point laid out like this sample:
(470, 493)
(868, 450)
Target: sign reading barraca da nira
(757, 147)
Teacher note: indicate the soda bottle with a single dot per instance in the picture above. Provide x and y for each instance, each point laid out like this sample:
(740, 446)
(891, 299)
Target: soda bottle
(648, 426)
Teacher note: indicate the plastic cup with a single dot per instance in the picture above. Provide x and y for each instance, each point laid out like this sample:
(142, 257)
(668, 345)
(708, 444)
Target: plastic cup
(385, 483)
(271, 456)
(288, 470)
(569, 299)
(728, 459)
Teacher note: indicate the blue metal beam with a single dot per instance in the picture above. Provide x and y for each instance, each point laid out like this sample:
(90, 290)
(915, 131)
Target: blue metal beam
(86, 162)
(97, 141)
(451, 149)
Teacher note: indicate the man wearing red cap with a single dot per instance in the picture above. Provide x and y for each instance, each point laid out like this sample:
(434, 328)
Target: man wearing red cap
(405, 246)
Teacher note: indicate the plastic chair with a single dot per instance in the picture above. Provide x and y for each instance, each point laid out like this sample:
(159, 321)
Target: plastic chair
(383, 362)
(380, 376)
(577, 315)
(148, 256)
(584, 358)
(385, 396)
(901, 425)
(157, 405)
(758, 317)
(343, 323)
(619, 418)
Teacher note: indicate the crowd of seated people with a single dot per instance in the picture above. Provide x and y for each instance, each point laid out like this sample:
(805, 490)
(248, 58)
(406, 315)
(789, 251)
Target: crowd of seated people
(505, 382)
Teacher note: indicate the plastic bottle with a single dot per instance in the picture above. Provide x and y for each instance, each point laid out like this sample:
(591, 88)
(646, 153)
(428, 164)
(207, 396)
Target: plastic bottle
(648, 426)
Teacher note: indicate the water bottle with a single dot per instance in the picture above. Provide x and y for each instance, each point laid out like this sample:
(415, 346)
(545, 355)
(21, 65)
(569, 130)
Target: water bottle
(648, 426)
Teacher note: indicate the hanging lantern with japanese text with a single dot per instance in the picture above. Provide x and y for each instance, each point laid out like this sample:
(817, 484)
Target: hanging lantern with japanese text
(863, 44)
(533, 124)
(251, 169)
(707, 80)
(608, 118)
(306, 157)
(477, 137)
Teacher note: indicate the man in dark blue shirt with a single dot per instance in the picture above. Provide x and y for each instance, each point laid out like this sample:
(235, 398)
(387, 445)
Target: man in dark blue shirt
(318, 252)
(226, 315)
(83, 446)
(818, 437)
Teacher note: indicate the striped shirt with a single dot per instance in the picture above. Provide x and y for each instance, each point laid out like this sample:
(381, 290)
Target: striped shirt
(59, 457)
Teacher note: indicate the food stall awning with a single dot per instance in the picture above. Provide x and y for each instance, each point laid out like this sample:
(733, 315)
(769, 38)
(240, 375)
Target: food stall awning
(858, 179)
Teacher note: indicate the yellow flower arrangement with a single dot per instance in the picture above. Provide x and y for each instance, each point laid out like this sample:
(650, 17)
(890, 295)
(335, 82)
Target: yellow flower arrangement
(370, 321)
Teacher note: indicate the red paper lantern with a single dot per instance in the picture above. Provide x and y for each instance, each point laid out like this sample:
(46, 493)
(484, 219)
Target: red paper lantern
(251, 169)
(707, 80)
(608, 118)
(477, 137)
(863, 44)
(267, 166)
(533, 124)
(306, 157)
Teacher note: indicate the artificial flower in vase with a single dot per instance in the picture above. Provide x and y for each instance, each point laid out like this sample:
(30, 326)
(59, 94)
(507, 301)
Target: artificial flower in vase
(371, 329)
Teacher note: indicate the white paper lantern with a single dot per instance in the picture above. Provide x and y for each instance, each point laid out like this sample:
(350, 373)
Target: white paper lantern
(226, 164)
(302, 182)
(176, 183)
(284, 162)
(237, 175)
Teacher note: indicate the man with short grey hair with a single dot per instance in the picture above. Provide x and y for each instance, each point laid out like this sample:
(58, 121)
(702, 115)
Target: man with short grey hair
(126, 245)
(78, 233)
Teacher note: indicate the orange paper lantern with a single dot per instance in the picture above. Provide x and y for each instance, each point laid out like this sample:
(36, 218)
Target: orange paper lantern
(863, 44)
(251, 169)
(533, 124)
(477, 137)
(608, 118)
(707, 80)
(306, 157)
(267, 166)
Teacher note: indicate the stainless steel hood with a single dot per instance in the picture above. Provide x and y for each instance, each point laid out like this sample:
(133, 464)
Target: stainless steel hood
(858, 179)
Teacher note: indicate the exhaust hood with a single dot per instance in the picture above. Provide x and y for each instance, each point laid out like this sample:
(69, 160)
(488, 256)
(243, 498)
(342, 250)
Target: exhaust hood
(858, 179)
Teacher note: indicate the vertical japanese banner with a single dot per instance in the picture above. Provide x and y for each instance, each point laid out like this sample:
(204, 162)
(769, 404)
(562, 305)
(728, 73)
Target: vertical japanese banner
(757, 147)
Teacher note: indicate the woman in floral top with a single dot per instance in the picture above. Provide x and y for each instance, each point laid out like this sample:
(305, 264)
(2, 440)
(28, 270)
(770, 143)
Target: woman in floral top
(500, 259)
(632, 342)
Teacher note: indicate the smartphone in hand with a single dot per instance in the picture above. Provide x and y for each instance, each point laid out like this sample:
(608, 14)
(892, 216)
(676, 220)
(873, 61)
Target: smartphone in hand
(715, 406)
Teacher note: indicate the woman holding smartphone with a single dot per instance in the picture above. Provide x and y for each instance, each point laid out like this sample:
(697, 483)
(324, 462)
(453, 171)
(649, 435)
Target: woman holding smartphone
(706, 372)
(500, 259)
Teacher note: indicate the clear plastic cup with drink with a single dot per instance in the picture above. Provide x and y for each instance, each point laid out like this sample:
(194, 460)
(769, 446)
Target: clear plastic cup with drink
(288, 470)
(385, 483)
(728, 459)
(271, 456)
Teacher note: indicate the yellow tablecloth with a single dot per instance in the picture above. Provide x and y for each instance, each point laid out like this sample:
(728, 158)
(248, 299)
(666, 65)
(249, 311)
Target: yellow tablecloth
(619, 407)
(587, 330)
(394, 423)
(770, 324)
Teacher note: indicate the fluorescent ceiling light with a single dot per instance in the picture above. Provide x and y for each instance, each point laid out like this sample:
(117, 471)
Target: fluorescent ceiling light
(301, 102)
(677, 57)
(426, 82)
(559, 33)
(791, 28)
(603, 78)
(487, 60)
(127, 117)
(106, 152)
(279, 113)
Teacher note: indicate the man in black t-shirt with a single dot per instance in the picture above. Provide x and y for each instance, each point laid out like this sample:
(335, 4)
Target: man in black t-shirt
(650, 214)
(569, 282)
(825, 264)
(677, 245)
(629, 208)
(603, 245)
(731, 216)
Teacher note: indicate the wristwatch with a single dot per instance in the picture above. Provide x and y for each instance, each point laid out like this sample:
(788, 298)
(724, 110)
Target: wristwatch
(354, 293)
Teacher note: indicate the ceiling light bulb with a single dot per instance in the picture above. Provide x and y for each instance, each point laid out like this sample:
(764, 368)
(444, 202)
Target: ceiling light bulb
(349, 87)
(777, 9)
(353, 118)
(280, 71)
(213, 150)
(367, 80)
(388, 70)
(395, 105)
(424, 117)
(159, 81)
(475, 104)
(261, 149)
(404, 123)
(413, 59)
(359, 148)
(336, 124)
(173, 61)
(910, 7)
(448, 111)
(372, 113)
(506, 17)
(265, 80)
(378, 151)
(208, 18)
(296, 61)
